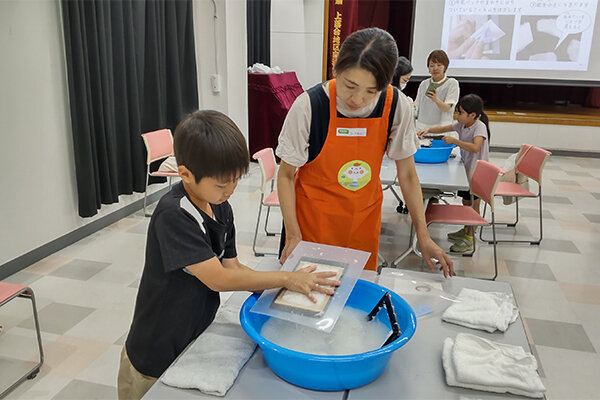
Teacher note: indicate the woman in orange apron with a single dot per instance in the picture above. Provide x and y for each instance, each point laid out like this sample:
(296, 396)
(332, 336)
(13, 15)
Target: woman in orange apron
(331, 148)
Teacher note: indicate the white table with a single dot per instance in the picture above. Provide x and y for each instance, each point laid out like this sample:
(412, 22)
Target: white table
(449, 176)
(414, 371)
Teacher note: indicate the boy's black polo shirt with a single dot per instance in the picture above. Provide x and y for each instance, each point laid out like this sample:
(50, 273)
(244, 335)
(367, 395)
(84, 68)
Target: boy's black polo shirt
(173, 307)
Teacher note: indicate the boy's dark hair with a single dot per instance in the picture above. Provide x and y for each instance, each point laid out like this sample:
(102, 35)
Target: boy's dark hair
(402, 68)
(209, 144)
(471, 103)
(439, 56)
(371, 49)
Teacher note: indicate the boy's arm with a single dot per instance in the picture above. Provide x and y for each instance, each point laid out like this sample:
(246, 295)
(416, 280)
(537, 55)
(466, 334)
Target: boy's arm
(472, 147)
(219, 279)
(235, 263)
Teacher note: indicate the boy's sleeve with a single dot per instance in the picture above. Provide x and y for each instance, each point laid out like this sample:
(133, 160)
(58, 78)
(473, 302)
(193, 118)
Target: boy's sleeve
(181, 239)
(455, 126)
(230, 251)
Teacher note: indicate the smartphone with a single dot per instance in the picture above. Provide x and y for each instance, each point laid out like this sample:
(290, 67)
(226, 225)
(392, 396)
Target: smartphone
(432, 87)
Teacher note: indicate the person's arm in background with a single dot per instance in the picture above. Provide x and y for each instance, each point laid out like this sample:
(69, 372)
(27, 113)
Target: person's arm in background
(413, 198)
(451, 98)
(472, 147)
(401, 148)
(435, 129)
(287, 203)
(293, 152)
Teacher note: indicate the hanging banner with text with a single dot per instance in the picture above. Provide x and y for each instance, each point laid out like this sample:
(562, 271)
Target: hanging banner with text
(343, 20)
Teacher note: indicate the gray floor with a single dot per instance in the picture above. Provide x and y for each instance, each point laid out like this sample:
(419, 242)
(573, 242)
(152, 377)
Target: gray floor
(86, 292)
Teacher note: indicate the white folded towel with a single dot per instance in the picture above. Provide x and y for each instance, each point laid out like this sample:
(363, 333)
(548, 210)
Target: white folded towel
(487, 311)
(476, 363)
(214, 360)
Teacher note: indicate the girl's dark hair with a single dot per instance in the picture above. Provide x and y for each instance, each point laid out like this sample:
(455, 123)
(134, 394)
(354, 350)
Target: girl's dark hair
(402, 68)
(371, 49)
(439, 56)
(209, 144)
(471, 103)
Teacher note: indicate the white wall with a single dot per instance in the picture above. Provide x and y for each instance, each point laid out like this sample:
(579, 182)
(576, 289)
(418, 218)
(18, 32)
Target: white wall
(297, 38)
(38, 199)
(230, 60)
(550, 137)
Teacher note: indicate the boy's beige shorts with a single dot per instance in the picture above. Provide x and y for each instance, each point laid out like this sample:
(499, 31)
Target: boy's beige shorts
(131, 384)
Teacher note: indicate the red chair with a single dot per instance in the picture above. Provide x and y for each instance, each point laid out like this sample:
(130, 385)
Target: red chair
(159, 145)
(530, 162)
(268, 195)
(8, 292)
(483, 184)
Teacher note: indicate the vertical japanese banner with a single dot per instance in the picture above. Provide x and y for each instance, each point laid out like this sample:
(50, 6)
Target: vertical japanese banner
(343, 20)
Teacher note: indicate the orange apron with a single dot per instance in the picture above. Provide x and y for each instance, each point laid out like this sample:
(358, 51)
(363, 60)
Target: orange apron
(338, 194)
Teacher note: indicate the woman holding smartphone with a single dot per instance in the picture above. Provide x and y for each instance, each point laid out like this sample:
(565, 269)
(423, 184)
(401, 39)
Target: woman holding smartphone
(437, 96)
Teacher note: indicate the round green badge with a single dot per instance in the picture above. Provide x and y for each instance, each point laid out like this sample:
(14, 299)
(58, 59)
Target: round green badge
(354, 175)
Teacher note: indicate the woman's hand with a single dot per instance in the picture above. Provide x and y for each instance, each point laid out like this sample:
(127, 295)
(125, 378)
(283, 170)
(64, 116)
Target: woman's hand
(430, 251)
(450, 140)
(423, 132)
(290, 244)
(306, 280)
(432, 96)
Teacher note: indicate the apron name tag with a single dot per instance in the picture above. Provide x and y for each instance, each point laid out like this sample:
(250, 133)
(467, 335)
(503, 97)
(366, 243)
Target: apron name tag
(351, 132)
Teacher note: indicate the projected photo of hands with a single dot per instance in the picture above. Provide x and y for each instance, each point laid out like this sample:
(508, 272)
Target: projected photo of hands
(480, 37)
(550, 38)
(520, 34)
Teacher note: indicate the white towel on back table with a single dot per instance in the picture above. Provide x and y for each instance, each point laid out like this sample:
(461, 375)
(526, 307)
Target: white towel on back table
(487, 311)
(477, 363)
(214, 360)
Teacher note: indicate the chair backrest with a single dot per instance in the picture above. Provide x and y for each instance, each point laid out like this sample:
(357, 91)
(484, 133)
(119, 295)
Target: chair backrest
(532, 162)
(159, 144)
(485, 180)
(268, 166)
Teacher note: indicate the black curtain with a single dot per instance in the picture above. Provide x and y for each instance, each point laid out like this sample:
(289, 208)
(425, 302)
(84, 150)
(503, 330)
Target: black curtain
(258, 25)
(131, 69)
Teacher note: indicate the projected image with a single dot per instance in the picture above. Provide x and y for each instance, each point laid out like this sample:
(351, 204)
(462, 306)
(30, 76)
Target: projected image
(550, 38)
(480, 37)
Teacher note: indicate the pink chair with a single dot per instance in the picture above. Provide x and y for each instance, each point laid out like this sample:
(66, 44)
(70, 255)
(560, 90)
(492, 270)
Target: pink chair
(483, 184)
(8, 292)
(530, 162)
(159, 145)
(268, 195)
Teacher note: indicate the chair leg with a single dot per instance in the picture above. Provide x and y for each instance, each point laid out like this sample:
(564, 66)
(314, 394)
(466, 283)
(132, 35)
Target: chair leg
(256, 228)
(494, 244)
(512, 224)
(536, 242)
(28, 294)
(146, 192)
(267, 223)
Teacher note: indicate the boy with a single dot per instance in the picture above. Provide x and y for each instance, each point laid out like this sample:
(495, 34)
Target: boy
(191, 256)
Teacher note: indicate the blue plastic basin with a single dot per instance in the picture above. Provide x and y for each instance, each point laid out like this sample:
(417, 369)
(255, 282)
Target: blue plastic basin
(329, 373)
(439, 152)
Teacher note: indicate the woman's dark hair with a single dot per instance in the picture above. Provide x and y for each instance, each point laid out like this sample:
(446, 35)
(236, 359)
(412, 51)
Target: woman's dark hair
(402, 68)
(439, 56)
(471, 103)
(371, 49)
(209, 144)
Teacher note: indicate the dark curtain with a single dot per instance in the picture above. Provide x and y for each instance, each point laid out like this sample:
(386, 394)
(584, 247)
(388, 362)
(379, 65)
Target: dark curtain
(131, 69)
(258, 25)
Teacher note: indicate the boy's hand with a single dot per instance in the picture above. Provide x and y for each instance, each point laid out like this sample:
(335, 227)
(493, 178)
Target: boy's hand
(305, 281)
(423, 132)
